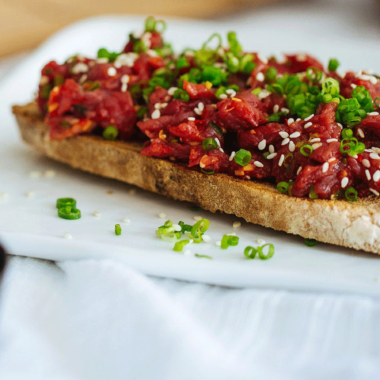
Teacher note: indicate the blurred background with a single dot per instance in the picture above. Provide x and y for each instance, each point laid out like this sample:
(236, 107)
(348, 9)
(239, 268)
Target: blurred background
(26, 23)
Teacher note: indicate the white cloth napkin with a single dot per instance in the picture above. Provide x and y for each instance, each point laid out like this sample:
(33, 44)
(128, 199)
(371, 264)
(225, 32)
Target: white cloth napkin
(100, 320)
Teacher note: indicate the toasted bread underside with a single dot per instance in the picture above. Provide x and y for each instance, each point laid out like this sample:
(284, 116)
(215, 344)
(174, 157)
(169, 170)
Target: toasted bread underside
(349, 224)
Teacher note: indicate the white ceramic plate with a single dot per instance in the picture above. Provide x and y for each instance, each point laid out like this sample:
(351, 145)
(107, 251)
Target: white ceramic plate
(30, 226)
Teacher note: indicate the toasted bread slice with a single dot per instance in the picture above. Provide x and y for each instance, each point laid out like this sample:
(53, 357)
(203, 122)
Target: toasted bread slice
(349, 224)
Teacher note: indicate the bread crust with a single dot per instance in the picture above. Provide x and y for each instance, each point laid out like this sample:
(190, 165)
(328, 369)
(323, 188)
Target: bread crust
(349, 224)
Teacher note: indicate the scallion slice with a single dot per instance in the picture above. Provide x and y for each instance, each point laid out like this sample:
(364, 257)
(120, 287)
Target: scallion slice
(269, 254)
(69, 213)
(229, 241)
(351, 194)
(250, 252)
(310, 242)
(110, 133)
(209, 144)
(306, 150)
(333, 64)
(283, 187)
(203, 256)
(117, 229)
(243, 157)
(63, 202)
(178, 247)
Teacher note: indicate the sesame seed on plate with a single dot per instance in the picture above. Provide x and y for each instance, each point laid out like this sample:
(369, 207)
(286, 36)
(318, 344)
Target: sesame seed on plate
(344, 182)
(232, 156)
(285, 141)
(258, 164)
(218, 243)
(262, 144)
(3, 196)
(281, 160)
(177, 227)
(50, 173)
(374, 191)
(126, 220)
(366, 163)
(162, 215)
(325, 167)
(35, 174)
(111, 71)
(271, 149)
(376, 176)
(197, 218)
(156, 114)
(260, 241)
(66, 235)
(236, 224)
(284, 134)
(272, 155)
(292, 146)
(96, 214)
(29, 194)
(260, 77)
(206, 238)
(132, 191)
(295, 135)
(368, 174)
(187, 252)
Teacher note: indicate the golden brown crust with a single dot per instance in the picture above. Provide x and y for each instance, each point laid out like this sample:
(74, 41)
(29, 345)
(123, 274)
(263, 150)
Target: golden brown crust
(355, 225)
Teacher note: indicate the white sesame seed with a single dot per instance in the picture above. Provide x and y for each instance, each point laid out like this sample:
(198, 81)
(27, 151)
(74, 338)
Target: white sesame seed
(286, 110)
(187, 252)
(29, 194)
(316, 146)
(111, 71)
(301, 57)
(375, 149)
(102, 60)
(276, 108)
(198, 111)
(281, 160)
(218, 243)
(285, 141)
(156, 114)
(353, 85)
(374, 156)
(262, 144)
(366, 163)
(177, 227)
(96, 214)
(50, 173)
(217, 141)
(344, 182)
(316, 139)
(201, 106)
(263, 94)
(290, 121)
(299, 119)
(309, 117)
(374, 191)
(258, 164)
(361, 133)
(66, 235)
(368, 174)
(223, 96)
(231, 234)
(221, 150)
(262, 58)
(295, 135)
(260, 241)
(331, 140)
(376, 176)
(260, 77)
(292, 146)
(35, 174)
(206, 238)
(157, 106)
(124, 78)
(124, 87)
(44, 80)
(299, 170)
(132, 191)
(325, 167)
(79, 68)
(284, 134)
(373, 113)
(271, 156)
(126, 220)
(197, 218)
(271, 149)
(230, 91)
(358, 73)
(236, 224)
(162, 215)
(232, 156)
(340, 125)
(172, 90)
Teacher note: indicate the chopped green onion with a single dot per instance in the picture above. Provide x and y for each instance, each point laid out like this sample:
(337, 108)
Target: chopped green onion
(63, 202)
(250, 252)
(229, 241)
(216, 128)
(283, 187)
(203, 256)
(314, 74)
(209, 144)
(110, 133)
(271, 74)
(257, 91)
(182, 62)
(208, 172)
(171, 237)
(69, 213)
(117, 229)
(333, 64)
(269, 254)
(59, 80)
(196, 208)
(45, 91)
(347, 133)
(243, 157)
(312, 193)
(181, 94)
(178, 247)
(377, 102)
(187, 227)
(310, 242)
(198, 230)
(306, 153)
(216, 36)
(351, 194)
